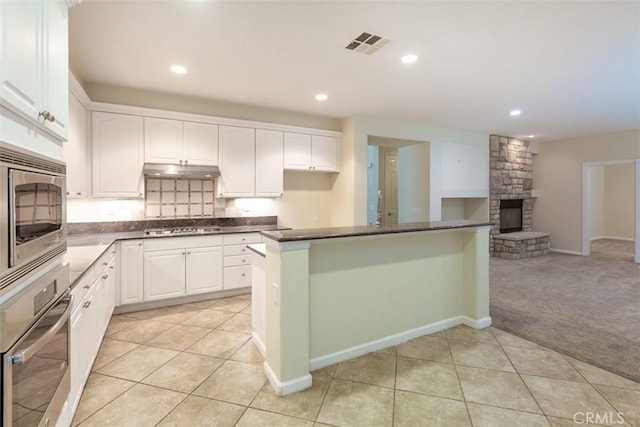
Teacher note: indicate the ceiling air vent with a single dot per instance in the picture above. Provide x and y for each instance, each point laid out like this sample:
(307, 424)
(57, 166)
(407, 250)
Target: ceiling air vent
(367, 43)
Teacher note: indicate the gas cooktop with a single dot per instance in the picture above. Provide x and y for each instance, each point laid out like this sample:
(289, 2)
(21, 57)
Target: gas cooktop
(179, 231)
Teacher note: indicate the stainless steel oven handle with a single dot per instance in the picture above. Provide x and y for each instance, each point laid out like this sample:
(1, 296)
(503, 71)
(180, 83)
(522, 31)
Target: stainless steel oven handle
(27, 353)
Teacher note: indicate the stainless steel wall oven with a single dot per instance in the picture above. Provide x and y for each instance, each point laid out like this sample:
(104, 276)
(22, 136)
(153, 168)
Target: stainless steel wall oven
(32, 212)
(34, 341)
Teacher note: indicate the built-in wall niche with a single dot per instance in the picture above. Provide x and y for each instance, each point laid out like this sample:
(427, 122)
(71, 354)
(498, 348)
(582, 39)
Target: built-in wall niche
(170, 198)
(476, 208)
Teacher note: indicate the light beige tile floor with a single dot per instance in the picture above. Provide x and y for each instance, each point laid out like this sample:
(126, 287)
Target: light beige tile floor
(195, 365)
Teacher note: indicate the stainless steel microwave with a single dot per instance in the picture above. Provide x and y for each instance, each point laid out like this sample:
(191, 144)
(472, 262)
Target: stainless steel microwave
(32, 212)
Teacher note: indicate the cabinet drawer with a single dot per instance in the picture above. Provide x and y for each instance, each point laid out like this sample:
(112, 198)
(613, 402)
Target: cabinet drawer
(237, 277)
(236, 250)
(230, 261)
(242, 238)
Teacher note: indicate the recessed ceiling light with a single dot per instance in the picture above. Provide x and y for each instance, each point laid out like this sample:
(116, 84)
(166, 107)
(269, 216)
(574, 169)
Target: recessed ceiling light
(178, 69)
(531, 136)
(322, 97)
(409, 59)
(515, 112)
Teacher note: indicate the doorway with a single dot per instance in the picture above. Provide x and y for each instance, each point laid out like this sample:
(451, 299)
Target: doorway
(611, 209)
(388, 185)
(398, 189)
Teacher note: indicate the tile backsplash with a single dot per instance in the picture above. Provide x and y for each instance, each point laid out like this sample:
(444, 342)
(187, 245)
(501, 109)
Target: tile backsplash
(169, 198)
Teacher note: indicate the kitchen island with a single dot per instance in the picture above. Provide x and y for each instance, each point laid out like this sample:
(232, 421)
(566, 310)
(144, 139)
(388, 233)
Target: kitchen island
(333, 294)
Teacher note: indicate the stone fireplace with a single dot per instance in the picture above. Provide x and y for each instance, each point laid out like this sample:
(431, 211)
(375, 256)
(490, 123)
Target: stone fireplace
(511, 201)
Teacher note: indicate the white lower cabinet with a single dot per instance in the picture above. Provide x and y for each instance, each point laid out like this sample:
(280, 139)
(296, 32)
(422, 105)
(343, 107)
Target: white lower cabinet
(203, 272)
(93, 303)
(130, 264)
(237, 259)
(164, 274)
(177, 266)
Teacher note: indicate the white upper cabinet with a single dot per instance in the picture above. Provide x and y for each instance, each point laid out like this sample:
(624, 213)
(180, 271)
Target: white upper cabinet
(269, 163)
(297, 151)
(117, 155)
(323, 153)
(310, 152)
(76, 151)
(174, 141)
(34, 67)
(237, 162)
(57, 75)
(200, 143)
(162, 140)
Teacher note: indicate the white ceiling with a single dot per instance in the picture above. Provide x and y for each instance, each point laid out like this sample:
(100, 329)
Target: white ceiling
(573, 68)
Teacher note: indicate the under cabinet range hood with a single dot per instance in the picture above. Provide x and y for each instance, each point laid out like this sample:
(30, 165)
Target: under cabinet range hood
(160, 170)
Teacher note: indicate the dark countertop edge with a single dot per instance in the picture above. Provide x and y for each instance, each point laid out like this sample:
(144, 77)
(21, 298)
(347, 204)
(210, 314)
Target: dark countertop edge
(364, 230)
(93, 239)
(108, 239)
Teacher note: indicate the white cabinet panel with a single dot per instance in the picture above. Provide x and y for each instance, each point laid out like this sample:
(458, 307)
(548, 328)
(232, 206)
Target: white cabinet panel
(237, 162)
(76, 151)
(57, 66)
(164, 274)
(269, 163)
(117, 155)
(22, 59)
(323, 153)
(131, 272)
(297, 151)
(162, 140)
(237, 277)
(34, 65)
(200, 143)
(310, 152)
(204, 270)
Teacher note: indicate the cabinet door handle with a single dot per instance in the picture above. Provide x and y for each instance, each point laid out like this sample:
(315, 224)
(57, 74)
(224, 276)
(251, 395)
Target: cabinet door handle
(111, 267)
(244, 260)
(242, 250)
(105, 263)
(87, 286)
(139, 244)
(106, 276)
(188, 253)
(78, 194)
(47, 116)
(243, 274)
(86, 304)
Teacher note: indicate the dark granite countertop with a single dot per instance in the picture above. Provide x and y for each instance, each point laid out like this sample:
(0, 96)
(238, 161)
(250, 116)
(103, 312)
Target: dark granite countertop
(85, 248)
(334, 232)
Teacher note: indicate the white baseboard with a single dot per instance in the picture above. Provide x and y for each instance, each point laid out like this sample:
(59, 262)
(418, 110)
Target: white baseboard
(597, 238)
(287, 387)
(258, 342)
(485, 322)
(622, 239)
(391, 340)
(564, 251)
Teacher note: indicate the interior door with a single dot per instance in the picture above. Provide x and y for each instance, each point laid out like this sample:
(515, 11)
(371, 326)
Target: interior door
(391, 188)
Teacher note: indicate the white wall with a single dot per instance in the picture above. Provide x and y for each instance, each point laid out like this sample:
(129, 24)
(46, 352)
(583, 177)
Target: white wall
(350, 187)
(306, 202)
(557, 175)
(596, 205)
(619, 199)
(173, 102)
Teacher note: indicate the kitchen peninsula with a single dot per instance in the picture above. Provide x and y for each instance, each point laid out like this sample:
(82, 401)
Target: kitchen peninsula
(333, 294)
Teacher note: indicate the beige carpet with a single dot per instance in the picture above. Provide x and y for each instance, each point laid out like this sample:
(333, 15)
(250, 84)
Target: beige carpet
(584, 307)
